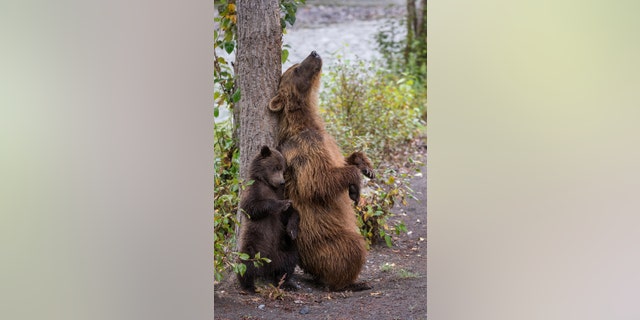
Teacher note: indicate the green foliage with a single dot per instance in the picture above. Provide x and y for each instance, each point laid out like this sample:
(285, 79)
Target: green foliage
(369, 109)
(225, 199)
(402, 273)
(374, 211)
(400, 57)
(385, 267)
(225, 37)
(377, 112)
(288, 8)
(391, 44)
(406, 59)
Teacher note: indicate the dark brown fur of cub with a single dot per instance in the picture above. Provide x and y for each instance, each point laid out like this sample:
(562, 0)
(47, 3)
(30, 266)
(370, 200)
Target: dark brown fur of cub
(320, 182)
(270, 224)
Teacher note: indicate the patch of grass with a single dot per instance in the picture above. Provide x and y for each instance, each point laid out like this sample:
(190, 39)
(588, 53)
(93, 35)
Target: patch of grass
(402, 273)
(385, 267)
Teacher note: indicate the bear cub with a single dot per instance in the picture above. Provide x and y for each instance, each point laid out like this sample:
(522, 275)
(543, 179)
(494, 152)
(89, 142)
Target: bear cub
(270, 223)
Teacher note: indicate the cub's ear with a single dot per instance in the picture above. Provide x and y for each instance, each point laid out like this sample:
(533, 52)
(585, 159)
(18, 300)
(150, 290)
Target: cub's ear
(276, 104)
(265, 151)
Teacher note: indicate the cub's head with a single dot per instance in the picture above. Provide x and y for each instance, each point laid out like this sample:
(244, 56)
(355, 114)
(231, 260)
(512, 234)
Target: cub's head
(268, 166)
(298, 85)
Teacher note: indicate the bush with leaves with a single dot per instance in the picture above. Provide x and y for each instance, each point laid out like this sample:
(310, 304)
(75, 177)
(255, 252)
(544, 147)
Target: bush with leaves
(377, 112)
(225, 204)
(226, 190)
(407, 60)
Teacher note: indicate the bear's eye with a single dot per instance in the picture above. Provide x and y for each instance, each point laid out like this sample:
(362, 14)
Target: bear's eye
(278, 168)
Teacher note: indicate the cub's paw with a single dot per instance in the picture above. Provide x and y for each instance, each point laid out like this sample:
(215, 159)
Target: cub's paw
(361, 161)
(285, 205)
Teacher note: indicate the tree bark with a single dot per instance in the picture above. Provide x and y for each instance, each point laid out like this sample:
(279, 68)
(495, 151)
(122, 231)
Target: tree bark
(258, 68)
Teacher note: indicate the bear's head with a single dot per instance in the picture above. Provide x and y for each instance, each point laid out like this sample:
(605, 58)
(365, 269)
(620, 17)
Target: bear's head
(268, 166)
(299, 85)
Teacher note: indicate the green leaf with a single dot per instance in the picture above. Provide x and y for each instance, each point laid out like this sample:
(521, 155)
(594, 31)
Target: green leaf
(285, 55)
(387, 239)
(244, 256)
(291, 18)
(236, 96)
(228, 46)
(240, 268)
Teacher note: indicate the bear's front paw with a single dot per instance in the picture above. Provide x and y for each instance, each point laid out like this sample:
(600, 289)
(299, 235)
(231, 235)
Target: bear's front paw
(363, 164)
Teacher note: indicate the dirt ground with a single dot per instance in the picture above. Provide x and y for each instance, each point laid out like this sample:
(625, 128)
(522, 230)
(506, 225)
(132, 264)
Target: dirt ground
(397, 275)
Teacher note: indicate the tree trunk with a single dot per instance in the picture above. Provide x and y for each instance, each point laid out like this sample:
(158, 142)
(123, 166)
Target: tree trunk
(258, 66)
(421, 31)
(421, 34)
(411, 29)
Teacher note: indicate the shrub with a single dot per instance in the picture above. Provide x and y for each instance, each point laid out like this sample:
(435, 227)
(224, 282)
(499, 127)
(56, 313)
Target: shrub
(368, 109)
(376, 112)
(225, 205)
(225, 198)
(408, 61)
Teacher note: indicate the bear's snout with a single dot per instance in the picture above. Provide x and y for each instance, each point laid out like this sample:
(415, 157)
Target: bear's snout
(314, 54)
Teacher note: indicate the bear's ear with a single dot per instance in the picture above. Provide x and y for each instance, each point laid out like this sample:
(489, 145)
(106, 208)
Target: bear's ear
(276, 103)
(265, 151)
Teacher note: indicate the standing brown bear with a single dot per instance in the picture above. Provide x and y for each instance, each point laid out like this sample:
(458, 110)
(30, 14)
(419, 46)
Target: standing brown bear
(270, 225)
(320, 182)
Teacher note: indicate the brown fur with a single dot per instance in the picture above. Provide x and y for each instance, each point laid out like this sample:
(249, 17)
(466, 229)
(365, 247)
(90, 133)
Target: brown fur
(270, 224)
(320, 182)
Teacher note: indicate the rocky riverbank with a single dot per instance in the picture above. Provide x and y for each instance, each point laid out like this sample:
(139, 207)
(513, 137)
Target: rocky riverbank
(316, 14)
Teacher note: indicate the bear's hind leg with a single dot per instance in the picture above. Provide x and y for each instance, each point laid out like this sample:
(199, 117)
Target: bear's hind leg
(247, 281)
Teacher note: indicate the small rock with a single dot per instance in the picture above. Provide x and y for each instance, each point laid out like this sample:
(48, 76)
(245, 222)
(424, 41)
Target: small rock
(304, 310)
(261, 307)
